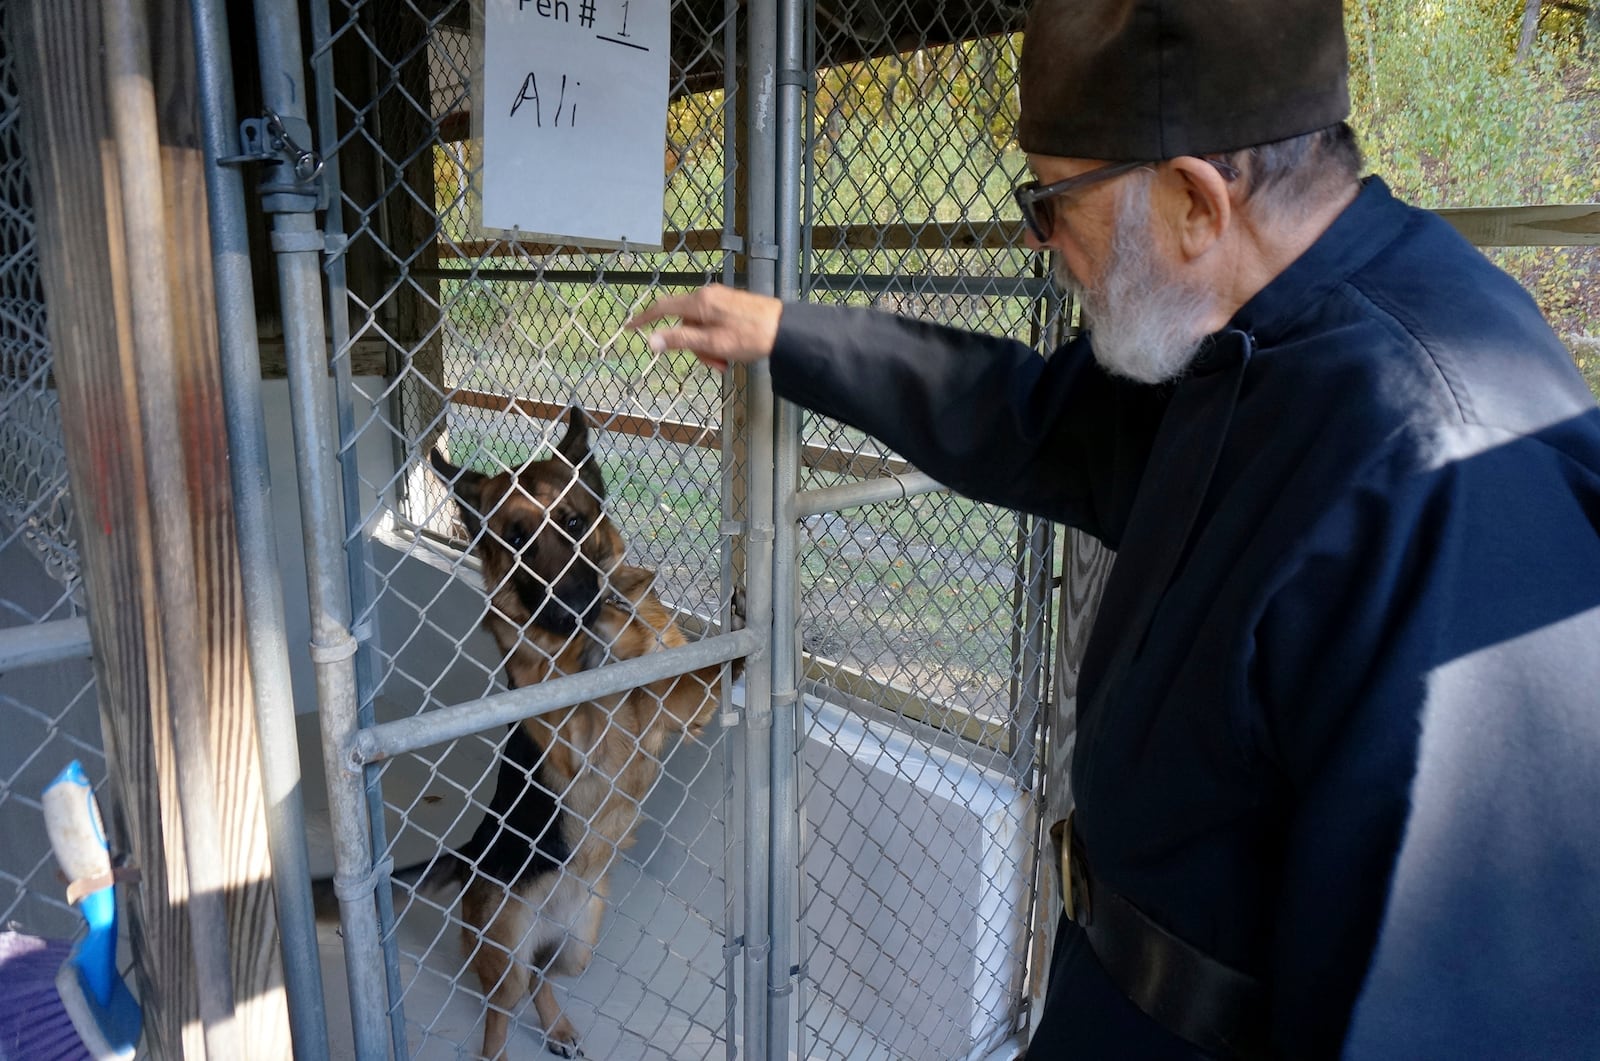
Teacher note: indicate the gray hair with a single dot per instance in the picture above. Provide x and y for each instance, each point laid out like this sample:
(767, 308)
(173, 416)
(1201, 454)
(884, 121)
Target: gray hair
(1289, 172)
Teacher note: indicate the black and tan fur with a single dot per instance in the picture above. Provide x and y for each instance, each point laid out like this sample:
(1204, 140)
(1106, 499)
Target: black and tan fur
(570, 785)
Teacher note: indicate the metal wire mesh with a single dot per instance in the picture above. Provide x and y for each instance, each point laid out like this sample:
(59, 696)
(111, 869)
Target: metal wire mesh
(51, 713)
(925, 624)
(485, 343)
(925, 618)
(35, 507)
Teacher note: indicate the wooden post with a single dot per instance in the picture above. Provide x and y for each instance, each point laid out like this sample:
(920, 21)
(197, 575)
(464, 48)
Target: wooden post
(116, 412)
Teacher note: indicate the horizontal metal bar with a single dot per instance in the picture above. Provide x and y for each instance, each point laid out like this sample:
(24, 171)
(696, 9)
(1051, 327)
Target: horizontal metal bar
(987, 286)
(388, 739)
(925, 284)
(52, 642)
(868, 492)
(1010, 1045)
(616, 277)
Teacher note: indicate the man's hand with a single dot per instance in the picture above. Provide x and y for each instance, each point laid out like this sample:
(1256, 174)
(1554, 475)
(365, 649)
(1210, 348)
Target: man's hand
(717, 324)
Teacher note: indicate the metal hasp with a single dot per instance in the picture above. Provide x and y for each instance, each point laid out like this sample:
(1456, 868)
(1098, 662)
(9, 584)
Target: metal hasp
(271, 138)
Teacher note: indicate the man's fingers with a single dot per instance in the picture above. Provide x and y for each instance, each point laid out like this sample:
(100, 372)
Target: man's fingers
(684, 337)
(716, 324)
(661, 309)
(692, 306)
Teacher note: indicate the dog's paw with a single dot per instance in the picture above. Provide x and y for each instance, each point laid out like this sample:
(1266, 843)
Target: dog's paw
(562, 1040)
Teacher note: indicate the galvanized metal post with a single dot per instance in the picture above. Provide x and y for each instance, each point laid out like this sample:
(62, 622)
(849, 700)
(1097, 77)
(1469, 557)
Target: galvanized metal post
(783, 880)
(1034, 571)
(731, 521)
(258, 551)
(761, 246)
(291, 197)
(363, 597)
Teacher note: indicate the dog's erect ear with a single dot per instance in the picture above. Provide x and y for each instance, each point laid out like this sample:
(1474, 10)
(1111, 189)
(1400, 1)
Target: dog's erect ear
(466, 486)
(632, 583)
(574, 446)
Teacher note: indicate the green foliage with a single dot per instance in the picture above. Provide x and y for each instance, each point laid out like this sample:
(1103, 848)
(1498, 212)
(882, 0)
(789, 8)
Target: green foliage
(1450, 117)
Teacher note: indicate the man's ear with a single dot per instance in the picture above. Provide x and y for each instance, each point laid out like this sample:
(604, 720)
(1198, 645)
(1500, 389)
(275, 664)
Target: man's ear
(1199, 206)
(574, 446)
(466, 486)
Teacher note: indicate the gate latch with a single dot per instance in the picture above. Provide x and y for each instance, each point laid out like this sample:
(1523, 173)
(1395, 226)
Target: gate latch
(271, 139)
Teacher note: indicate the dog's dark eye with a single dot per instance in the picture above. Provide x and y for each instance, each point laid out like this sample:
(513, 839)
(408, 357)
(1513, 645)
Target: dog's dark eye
(574, 525)
(516, 537)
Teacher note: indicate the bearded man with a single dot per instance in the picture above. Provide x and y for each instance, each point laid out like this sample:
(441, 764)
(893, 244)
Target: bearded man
(1338, 758)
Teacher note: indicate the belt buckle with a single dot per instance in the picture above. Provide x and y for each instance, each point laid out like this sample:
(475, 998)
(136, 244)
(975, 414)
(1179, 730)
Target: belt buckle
(1072, 879)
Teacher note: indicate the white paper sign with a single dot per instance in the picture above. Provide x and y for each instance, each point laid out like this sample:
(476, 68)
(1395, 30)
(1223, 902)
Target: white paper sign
(574, 113)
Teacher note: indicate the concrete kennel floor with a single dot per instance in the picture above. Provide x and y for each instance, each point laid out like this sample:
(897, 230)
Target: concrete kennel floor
(654, 989)
(652, 935)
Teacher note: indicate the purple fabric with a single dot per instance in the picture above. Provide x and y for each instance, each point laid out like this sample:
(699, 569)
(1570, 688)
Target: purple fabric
(34, 1025)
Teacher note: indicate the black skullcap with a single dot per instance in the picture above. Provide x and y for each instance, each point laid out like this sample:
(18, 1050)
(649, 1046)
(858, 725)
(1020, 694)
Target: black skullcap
(1142, 80)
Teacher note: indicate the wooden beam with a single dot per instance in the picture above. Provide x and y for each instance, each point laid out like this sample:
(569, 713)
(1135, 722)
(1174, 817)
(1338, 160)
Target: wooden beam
(1570, 225)
(859, 463)
(949, 718)
(78, 183)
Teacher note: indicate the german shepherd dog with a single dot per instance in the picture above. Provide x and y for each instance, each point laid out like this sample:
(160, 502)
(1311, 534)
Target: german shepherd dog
(570, 785)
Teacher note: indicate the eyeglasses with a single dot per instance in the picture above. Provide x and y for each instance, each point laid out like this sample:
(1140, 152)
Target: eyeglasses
(1041, 220)
(1030, 195)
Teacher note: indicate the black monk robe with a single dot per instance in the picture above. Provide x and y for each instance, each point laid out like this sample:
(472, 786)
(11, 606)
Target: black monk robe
(1340, 713)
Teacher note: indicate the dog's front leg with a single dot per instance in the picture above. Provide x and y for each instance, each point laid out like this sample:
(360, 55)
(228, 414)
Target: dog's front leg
(571, 957)
(560, 1034)
(503, 996)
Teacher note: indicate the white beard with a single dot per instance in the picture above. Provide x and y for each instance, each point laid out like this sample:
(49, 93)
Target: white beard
(1145, 324)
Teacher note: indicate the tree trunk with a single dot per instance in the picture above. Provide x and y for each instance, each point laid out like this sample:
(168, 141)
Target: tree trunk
(1530, 29)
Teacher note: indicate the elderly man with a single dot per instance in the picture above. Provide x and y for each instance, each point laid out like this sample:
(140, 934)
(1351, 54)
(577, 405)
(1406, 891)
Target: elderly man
(1338, 762)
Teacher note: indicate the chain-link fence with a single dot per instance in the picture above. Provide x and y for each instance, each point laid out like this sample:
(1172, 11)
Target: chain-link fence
(50, 713)
(924, 625)
(926, 619)
(572, 799)
(685, 850)
(482, 345)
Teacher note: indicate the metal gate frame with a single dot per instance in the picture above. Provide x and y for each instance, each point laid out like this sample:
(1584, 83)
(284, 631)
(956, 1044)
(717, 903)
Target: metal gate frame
(310, 268)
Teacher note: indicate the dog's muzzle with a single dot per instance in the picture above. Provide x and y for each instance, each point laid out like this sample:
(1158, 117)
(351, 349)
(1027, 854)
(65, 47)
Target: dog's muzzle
(575, 599)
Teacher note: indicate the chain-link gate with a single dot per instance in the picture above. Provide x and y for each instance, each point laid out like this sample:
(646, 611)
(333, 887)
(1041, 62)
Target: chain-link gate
(50, 711)
(842, 865)
(819, 837)
(479, 347)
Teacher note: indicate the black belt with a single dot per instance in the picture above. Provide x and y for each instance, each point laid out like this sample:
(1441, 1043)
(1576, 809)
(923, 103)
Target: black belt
(1186, 991)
